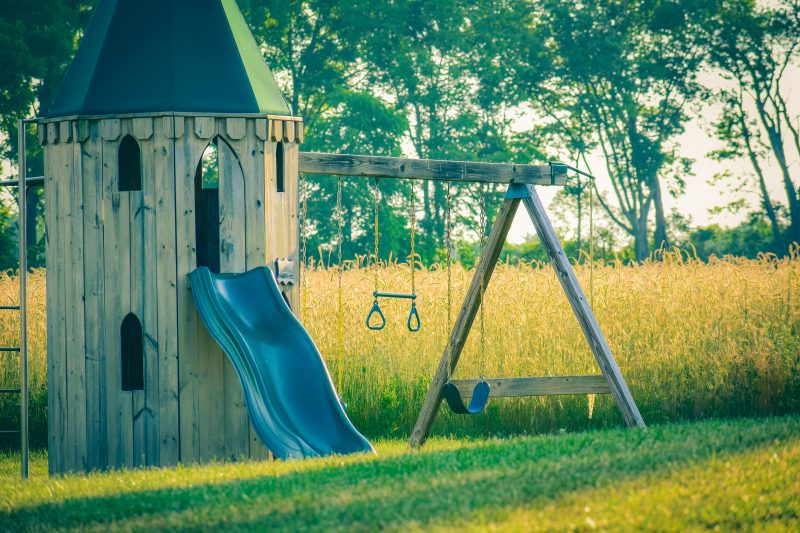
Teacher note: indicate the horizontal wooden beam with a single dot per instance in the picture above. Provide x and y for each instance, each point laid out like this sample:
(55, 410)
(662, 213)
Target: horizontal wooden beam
(371, 166)
(538, 386)
(32, 181)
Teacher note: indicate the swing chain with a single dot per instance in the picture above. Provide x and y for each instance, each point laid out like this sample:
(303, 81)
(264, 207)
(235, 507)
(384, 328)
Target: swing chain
(591, 242)
(377, 199)
(340, 272)
(413, 219)
(376, 308)
(448, 258)
(480, 272)
(303, 251)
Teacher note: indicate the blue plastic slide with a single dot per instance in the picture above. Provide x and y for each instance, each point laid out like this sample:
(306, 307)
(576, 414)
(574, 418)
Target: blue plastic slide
(289, 394)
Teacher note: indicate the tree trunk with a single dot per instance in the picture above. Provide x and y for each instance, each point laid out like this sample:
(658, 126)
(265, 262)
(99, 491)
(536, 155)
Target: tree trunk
(766, 201)
(777, 146)
(660, 237)
(640, 245)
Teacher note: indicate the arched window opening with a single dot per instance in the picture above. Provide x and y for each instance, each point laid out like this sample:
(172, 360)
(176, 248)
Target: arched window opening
(132, 352)
(206, 208)
(279, 166)
(129, 165)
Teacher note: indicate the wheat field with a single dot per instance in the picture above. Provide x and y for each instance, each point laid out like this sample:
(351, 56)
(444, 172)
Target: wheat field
(693, 339)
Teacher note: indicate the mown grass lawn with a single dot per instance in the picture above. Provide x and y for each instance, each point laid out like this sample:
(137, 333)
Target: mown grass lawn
(713, 474)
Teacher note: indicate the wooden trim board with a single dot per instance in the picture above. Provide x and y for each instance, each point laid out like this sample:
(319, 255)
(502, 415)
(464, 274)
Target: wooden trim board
(429, 169)
(537, 386)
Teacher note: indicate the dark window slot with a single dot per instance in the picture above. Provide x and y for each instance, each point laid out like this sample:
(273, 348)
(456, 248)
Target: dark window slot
(129, 165)
(279, 165)
(132, 353)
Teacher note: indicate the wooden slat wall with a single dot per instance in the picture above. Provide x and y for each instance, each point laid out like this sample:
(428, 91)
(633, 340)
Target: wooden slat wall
(283, 234)
(209, 394)
(167, 297)
(76, 352)
(252, 157)
(94, 287)
(232, 233)
(110, 253)
(56, 168)
(144, 302)
(117, 298)
(188, 150)
(138, 236)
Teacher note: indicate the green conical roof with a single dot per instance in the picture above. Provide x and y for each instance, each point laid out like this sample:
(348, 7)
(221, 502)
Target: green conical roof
(150, 56)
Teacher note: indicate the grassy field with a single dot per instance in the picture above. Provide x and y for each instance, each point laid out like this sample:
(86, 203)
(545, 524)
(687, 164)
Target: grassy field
(727, 475)
(694, 340)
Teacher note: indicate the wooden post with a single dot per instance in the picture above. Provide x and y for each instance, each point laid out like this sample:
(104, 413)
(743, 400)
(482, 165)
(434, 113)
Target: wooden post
(464, 320)
(565, 274)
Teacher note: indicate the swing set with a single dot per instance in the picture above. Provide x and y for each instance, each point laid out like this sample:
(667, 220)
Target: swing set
(520, 181)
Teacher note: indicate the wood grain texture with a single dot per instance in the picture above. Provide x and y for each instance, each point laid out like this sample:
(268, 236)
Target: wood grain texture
(235, 128)
(74, 289)
(586, 318)
(204, 127)
(233, 246)
(254, 164)
(116, 305)
(188, 150)
(426, 169)
(147, 402)
(464, 320)
(537, 386)
(167, 295)
(55, 166)
(142, 128)
(94, 287)
(138, 288)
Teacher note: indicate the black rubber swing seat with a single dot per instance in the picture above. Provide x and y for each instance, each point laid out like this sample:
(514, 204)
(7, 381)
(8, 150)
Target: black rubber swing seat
(477, 403)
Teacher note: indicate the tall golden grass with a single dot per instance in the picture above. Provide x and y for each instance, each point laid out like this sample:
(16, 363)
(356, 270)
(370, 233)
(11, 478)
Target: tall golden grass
(693, 339)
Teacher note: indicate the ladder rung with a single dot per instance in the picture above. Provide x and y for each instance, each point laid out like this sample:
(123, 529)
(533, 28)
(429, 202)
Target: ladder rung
(9, 431)
(9, 391)
(8, 349)
(9, 308)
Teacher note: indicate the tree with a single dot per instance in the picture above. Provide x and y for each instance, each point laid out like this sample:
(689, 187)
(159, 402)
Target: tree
(423, 56)
(37, 41)
(312, 49)
(626, 69)
(755, 46)
(742, 138)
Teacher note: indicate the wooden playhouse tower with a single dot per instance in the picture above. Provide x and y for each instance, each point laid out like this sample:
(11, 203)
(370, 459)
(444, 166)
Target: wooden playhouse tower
(133, 376)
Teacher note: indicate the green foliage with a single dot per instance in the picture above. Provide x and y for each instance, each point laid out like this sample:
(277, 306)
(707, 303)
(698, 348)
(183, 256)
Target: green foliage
(727, 475)
(8, 237)
(749, 239)
(451, 79)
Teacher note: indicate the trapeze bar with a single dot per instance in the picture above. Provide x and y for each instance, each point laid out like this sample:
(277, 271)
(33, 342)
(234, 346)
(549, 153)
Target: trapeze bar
(394, 295)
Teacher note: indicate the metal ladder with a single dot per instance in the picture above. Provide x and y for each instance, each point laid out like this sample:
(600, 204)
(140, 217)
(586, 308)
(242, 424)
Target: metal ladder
(22, 184)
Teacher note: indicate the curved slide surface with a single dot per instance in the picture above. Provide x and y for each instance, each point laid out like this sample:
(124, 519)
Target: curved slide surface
(289, 393)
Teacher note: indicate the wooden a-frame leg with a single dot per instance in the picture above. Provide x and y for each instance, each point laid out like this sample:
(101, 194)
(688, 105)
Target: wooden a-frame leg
(586, 318)
(466, 316)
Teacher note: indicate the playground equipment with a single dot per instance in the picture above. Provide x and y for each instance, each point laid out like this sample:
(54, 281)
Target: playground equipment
(134, 376)
(298, 414)
(413, 323)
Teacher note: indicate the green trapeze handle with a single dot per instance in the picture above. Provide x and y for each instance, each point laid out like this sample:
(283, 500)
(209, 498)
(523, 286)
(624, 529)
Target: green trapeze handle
(376, 309)
(413, 316)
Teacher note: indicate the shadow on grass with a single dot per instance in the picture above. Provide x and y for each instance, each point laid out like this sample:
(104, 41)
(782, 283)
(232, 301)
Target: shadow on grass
(417, 489)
